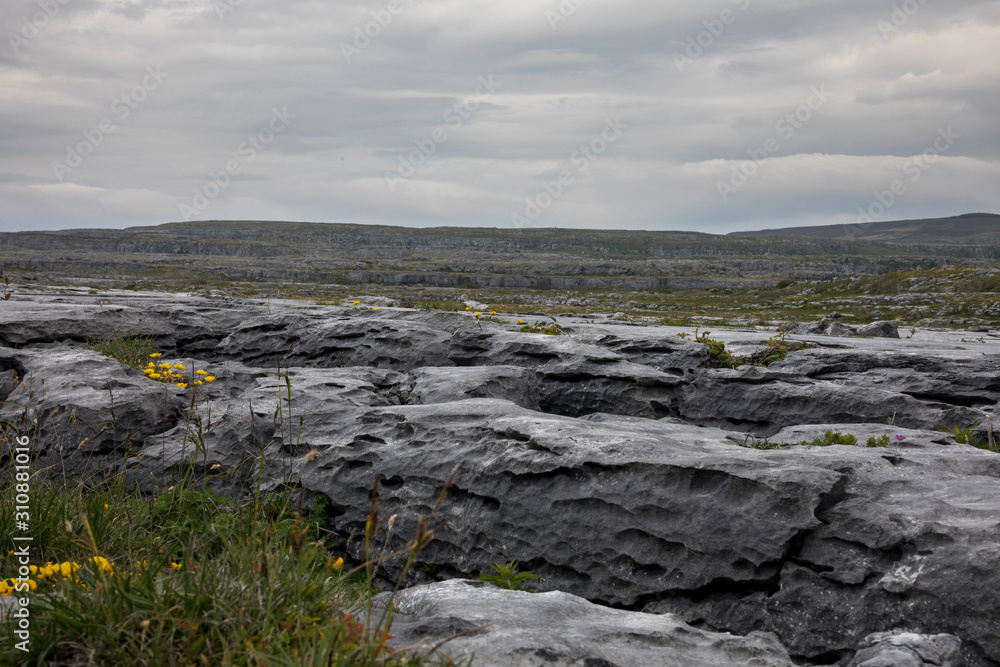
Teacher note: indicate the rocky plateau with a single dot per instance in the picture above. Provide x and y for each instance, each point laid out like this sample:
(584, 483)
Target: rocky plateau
(616, 461)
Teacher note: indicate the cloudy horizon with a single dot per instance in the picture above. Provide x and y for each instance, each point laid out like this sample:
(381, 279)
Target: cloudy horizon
(716, 117)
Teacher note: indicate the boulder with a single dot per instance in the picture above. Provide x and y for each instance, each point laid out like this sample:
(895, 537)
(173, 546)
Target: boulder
(490, 626)
(878, 330)
(443, 385)
(907, 649)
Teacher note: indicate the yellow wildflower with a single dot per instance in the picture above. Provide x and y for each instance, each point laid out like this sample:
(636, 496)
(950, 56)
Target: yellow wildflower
(182, 385)
(155, 355)
(355, 303)
(176, 566)
(202, 372)
(179, 367)
(210, 378)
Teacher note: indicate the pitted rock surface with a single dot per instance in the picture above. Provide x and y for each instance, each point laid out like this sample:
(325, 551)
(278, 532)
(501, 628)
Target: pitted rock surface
(608, 460)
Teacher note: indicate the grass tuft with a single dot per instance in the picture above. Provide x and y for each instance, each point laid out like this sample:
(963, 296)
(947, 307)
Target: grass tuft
(187, 578)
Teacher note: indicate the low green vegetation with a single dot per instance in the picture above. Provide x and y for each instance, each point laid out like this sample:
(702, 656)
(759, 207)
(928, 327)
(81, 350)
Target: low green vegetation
(963, 436)
(192, 578)
(778, 347)
(508, 576)
(831, 438)
(881, 441)
(543, 327)
(134, 351)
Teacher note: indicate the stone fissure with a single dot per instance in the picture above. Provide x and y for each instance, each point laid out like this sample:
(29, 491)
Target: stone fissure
(607, 459)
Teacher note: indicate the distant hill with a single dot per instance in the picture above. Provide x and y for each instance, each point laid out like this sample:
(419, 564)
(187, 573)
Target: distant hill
(217, 252)
(973, 228)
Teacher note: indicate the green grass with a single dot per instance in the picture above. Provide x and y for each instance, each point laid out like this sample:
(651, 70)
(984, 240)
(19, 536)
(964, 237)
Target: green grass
(832, 438)
(198, 579)
(131, 350)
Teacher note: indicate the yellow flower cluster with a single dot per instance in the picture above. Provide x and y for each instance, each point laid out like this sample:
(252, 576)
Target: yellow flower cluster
(8, 587)
(169, 373)
(66, 570)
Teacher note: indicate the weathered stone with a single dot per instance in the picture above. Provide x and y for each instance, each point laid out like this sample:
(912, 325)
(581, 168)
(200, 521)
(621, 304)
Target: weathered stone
(907, 649)
(84, 409)
(342, 339)
(878, 330)
(606, 459)
(443, 385)
(824, 327)
(491, 626)
(574, 378)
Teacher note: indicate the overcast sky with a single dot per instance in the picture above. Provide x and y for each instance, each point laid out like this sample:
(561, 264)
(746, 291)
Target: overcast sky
(707, 115)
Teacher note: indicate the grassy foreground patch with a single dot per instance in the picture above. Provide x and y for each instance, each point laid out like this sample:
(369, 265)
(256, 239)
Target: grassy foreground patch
(186, 578)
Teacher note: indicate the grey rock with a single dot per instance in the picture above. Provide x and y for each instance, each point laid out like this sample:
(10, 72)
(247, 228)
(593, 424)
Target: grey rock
(886, 549)
(181, 324)
(907, 649)
(443, 385)
(83, 408)
(606, 459)
(475, 305)
(876, 315)
(667, 353)
(526, 482)
(878, 330)
(574, 378)
(491, 626)
(824, 328)
(340, 339)
(844, 386)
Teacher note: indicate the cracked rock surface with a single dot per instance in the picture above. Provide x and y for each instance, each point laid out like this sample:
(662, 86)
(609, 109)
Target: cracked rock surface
(607, 460)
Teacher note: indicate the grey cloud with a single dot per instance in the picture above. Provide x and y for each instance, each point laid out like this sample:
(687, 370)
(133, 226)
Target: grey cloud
(356, 120)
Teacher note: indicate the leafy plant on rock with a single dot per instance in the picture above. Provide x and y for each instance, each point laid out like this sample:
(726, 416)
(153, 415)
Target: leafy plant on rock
(508, 576)
(753, 442)
(962, 436)
(778, 347)
(543, 327)
(881, 441)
